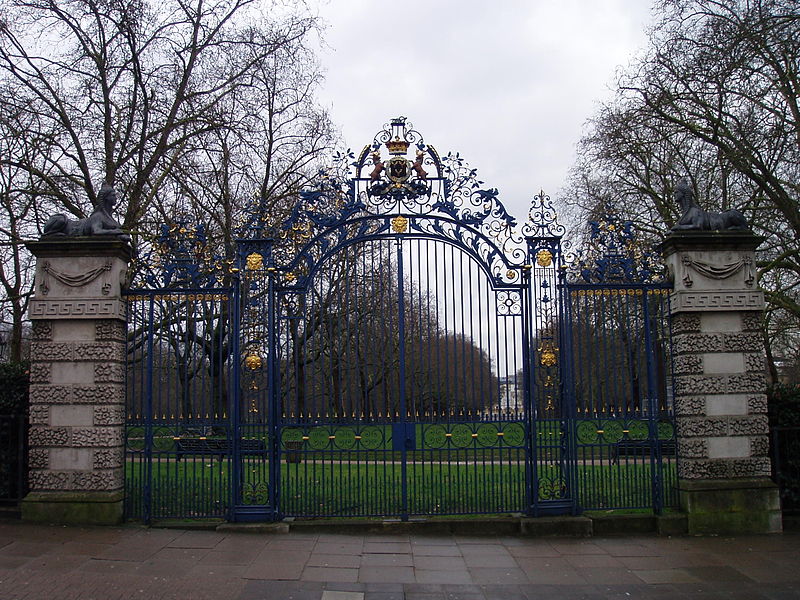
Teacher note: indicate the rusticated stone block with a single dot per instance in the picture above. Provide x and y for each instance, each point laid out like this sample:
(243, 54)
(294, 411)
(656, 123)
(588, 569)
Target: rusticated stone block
(698, 343)
(749, 467)
(687, 385)
(37, 458)
(755, 361)
(96, 436)
(701, 427)
(41, 330)
(753, 425)
(99, 394)
(747, 382)
(48, 351)
(686, 323)
(743, 342)
(109, 415)
(39, 414)
(109, 373)
(692, 448)
(757, 404)
(110, 329)
(687, 364)
(753, 320)
(106, 351)
(759, 446)
(97, 480)
(48, 436)
(50, 394)
(41, 372)
(108, 458)
(702, 469)
(48, 480)
(690, 405)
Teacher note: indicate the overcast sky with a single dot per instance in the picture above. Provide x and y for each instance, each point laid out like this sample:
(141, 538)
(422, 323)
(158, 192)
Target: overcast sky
(507, 83)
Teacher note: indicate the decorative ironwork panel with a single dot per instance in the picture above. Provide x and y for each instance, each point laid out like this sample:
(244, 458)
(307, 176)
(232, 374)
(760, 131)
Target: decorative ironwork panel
(620, 376)
(395, 345)
(178, 438)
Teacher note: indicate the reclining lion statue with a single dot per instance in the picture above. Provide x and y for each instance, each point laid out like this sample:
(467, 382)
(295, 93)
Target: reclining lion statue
(694, 217)
(100, 222)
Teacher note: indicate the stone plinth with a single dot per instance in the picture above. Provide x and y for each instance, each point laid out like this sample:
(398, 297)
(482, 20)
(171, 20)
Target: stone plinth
(720, 384)
(77, 394)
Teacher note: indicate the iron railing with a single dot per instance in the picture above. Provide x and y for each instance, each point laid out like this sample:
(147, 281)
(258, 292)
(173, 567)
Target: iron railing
(786, 465)
(13, 458)
(620, 386)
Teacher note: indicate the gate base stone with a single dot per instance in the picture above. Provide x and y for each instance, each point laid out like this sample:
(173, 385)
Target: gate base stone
(73, 508)
(731, 506)
(720, 384)
(77, 392)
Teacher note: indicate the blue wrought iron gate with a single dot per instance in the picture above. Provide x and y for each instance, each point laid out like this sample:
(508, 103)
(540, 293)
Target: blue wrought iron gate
(395, 346)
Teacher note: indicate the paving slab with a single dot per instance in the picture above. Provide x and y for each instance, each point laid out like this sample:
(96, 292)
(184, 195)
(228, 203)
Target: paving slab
(63, 563)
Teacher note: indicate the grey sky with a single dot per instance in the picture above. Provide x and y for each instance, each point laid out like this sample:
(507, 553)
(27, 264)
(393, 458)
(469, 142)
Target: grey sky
(507, 83)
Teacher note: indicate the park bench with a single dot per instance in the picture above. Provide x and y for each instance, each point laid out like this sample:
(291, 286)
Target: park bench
(640, 448)
(218, 447)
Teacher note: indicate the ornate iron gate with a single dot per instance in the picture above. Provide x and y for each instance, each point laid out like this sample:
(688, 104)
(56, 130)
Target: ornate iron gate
(620, 373)
(396, 347)
(386, 332)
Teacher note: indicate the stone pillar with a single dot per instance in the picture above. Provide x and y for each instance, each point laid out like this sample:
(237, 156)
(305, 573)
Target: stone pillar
(720, 384)
(77, 394)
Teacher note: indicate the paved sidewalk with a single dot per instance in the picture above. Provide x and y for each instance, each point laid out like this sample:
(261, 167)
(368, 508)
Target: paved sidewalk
(55, 563)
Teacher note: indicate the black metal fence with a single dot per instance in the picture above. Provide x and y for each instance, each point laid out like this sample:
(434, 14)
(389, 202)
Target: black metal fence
(13, 458)
(621, 380)
(786, 465)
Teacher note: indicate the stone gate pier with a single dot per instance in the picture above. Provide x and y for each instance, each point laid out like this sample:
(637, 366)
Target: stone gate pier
(77, 395)
(720, 384)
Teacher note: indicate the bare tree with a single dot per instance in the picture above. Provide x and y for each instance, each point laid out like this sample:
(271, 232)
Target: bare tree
(715, 98)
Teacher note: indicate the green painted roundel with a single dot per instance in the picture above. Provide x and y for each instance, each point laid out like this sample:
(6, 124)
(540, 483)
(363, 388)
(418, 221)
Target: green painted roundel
(513, 434)
(461, 435)
(371, 438)
(318, 438)
(435, 436)
(487, 435)
(345, 438)
(587, 432)
(612, 431)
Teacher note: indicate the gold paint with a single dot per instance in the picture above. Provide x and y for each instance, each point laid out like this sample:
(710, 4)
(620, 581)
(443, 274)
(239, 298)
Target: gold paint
(548, 358)
(399, 224)
(290, 277)
(254, 261)
(544, 258)
(253, 361)
(511, 274)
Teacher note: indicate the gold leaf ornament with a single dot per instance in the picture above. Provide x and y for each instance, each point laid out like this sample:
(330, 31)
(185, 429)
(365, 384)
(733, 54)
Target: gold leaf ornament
(254, 261)
(399, 224)
(544, 258)
(253, 362)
